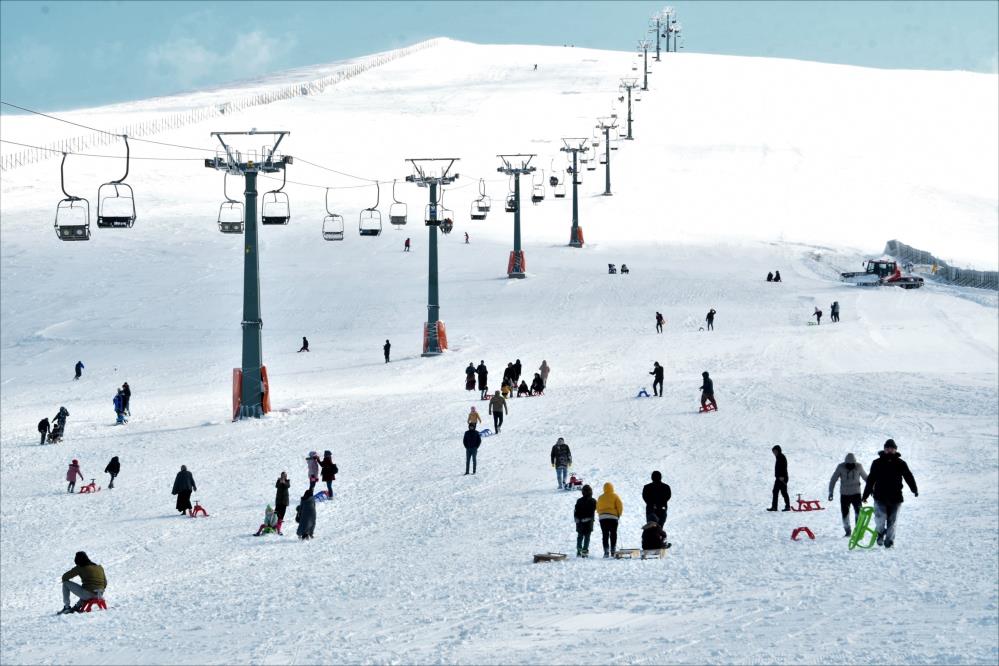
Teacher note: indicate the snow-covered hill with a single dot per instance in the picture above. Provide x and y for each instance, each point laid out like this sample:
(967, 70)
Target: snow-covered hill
(739, 166)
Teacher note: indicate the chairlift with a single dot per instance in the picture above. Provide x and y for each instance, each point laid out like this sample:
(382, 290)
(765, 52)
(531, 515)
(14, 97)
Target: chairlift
(511, 203)
(446, 216)
(397, 211)
(559, 189)
(72, 220)
(332, 223)
(275, 207)
(116, 210)
(369, 222)
(230, 212)
(485, 203)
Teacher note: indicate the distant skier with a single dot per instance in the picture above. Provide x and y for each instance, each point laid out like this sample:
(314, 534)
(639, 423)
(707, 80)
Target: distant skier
(707, 391)
(657, 381)
(43, 430)
(834, 311)
(523, 390)
(848, 473)
(126, 395)
(770, 277)
(183, 486)
(119, 409)
(497, 405)
(270, 521)
(777, 276)
(72, 474)
(656, 496)
(583, 514)
(609, 510)
(93, 582)
(885, 482)
(113, 468)
(544, 370)
(483, 375)
(328, 472)
(818, 315)
(780, 480)
(659, 322)
(537, 385)
(466, 238)
(282, 485)
(561, 461)
(710, 319)
(312, 460)
(305, 345)
(79, 369)
(387, 348)
(471, 441)
(405, 246)
(305, 516)
(470, 377)
(535, 67)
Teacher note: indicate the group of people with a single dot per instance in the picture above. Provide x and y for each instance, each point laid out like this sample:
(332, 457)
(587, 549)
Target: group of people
(52, 432)
(773, 277)
(607, 510)
(884, 483)
(833, 313)
(511, 384)
(74, 473)
(121, 404)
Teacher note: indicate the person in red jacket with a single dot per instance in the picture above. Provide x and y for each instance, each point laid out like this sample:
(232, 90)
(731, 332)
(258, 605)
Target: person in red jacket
(72, 474)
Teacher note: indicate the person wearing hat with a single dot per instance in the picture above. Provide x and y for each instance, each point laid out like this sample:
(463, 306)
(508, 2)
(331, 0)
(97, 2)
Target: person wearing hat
(270, 521)
(656, 496)
(183, 486)
(885, 483)
(483, 374)
(609, 510)
(561, 461)
(657, 380)
(583, 514)
(328, 471)
(312, 460)
(471, 441)
(93, 580)
(707, 391)
(305, 515)
(654, 537)
(780, 480)
(848, 473)
(72, 474)
(113, 468)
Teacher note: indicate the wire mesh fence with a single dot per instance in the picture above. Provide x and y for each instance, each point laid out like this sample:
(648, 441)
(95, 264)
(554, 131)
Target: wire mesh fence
(923, 262)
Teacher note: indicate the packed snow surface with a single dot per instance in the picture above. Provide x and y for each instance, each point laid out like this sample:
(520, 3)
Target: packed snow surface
(739, 166)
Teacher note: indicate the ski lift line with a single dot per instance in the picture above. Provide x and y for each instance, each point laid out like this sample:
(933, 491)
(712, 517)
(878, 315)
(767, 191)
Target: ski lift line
(115, 157)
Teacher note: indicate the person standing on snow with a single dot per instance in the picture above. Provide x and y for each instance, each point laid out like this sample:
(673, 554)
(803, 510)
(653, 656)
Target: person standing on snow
(483, 373)
(471, 441)
(834, 311)
(609, 510)
(544, 370)
(885, 482)
(112, 468)
(93, 580)
(474, 418)
(43, 429)
(659, 322)
(848, 473)
(119, 408)
(72, 474)
(710, 319)
(517, 369)
(312, 460)
(405, 246)
(281, 498)
(656, 496)
(657, 381)
(583, 514)
(466, 238)
(780, 480)
(183, 486)
(470, 377)
(707, 391)
(78, 368)
(305, 345)
(387, 347)
(305, 515)
(561, 461)
(497, 405)
(126, 398)
(818, 315)
(328, 472)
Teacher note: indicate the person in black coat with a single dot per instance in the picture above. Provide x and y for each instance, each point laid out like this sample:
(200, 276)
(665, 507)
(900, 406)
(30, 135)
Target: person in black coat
(707, 391)
(113, 467)
(653, 536)
(537, 384)
(78, 369)
(281, 498)
(517, 369)
(387, 347)
(470, 377)
(472, 440)
(659, 322)
(183, 486)
(780, 480)
(43, 429)
(777, 276)
(305, 515)
(656, 495)
(710, 319)
(770, 277)
(305, 345)
(126, 398)
(483, 373)
(657, 381)
(586, 509)
(328, 470)
(885, 482)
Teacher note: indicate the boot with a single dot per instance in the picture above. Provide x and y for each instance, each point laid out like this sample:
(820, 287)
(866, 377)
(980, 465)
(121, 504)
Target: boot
(786, 508)
(579, 552)
(278, 528)
(848, 531)
(606, 553)
(773, 508)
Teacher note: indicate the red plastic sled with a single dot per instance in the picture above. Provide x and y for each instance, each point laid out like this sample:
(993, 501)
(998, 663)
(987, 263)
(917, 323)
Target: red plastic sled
(707, 408)
(198, 510)
(89, 604)
(802, 530)
(91, 487)
(807, 505)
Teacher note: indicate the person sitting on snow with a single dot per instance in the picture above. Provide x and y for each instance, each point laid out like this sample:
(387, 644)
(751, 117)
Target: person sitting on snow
(522, 390)
(537, 386)
(270, 523)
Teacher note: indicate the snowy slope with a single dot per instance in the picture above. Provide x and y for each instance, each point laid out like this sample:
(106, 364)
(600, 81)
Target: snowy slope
(414, 562)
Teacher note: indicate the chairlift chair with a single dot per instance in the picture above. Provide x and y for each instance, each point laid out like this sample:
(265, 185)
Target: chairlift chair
(332, 223)
(397, 211)
(275, 207)
(230, 212)
(559, 190)
(369, 221)
(72, 220)
(538, 193)
(476, 212)
(446, 217)
(115, 200)
(511, 204)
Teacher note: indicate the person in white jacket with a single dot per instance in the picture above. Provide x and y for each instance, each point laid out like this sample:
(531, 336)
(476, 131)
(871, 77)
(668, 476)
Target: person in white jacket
(848, 473)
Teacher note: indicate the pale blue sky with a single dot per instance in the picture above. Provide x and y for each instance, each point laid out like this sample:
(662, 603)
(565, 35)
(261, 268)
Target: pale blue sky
(58, 55)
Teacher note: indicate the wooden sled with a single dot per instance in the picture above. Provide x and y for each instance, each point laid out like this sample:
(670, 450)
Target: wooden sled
(627, 554)
(655, 554)
(549, 557)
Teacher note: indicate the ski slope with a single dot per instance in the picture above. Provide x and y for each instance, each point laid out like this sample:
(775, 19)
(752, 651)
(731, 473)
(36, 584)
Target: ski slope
(739, 166)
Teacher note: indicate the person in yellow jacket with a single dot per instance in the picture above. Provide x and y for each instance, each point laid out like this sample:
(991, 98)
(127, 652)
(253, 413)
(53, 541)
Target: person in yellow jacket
(474, 418)
(609, 510)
